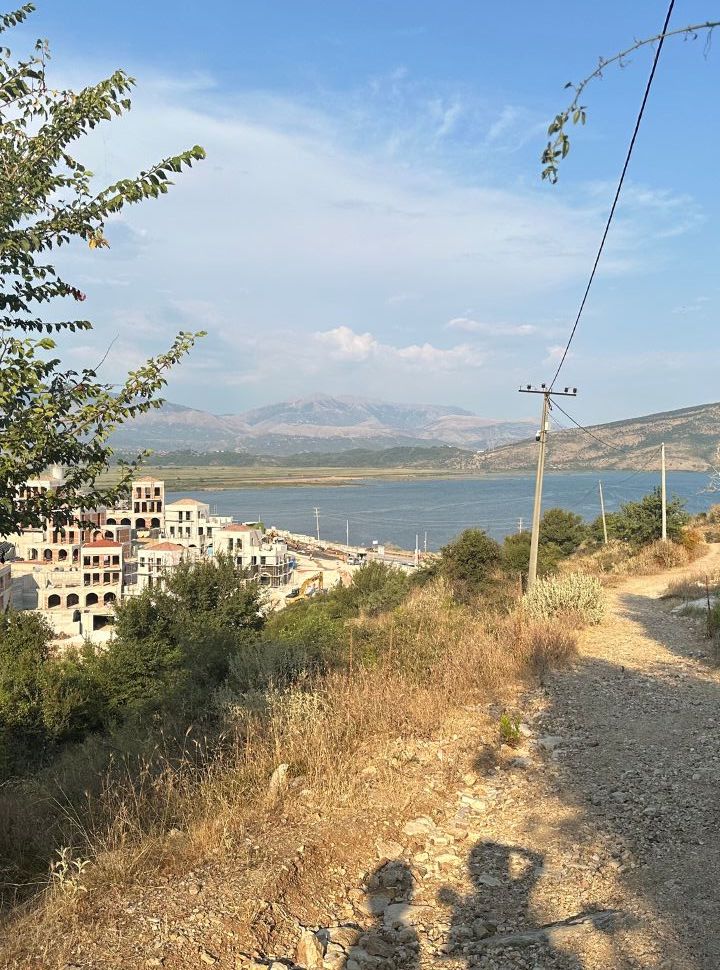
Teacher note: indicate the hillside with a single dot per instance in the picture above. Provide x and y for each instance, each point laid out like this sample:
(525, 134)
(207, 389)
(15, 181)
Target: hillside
(319, 423)
(430, 456)
(691, 436)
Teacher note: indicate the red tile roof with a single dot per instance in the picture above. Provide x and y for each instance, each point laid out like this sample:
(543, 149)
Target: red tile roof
(102, 544)
(186, 501)
(162, 547)
(235, 527)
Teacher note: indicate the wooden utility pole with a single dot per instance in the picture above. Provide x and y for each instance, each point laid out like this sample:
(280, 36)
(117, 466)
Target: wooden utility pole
(317, 522)
(663, 490)
(602, 512)
(547, 393)
(347, 532)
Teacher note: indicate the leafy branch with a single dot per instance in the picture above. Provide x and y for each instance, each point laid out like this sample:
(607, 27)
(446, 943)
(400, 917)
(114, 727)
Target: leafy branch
(576, 112)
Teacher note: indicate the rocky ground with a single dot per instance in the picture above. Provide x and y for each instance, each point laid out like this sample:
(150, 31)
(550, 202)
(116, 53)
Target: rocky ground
(592, 844)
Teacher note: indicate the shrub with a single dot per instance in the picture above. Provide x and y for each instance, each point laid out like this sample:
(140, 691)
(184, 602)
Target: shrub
(470, 561)
(640, 523)
(575, 593)
(516, 554)
(375, 587)
(509, 726)
(562, 530)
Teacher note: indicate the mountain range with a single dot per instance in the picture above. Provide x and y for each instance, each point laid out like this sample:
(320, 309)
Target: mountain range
(319, 423)
(691, 436)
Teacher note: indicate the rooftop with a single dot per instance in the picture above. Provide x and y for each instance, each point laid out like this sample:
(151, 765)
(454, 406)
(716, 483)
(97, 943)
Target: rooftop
(102, 544)
(185, 501)
(163, 547)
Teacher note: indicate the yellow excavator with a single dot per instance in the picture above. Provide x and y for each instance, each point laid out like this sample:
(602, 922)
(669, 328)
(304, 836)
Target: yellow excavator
(313, 584)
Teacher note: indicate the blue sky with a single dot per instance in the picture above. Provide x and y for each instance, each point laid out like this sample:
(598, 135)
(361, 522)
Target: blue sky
(370, 218)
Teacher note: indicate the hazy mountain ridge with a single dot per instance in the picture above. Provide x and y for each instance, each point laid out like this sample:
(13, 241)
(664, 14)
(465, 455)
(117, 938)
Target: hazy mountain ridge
(691, 437)
(317, 424)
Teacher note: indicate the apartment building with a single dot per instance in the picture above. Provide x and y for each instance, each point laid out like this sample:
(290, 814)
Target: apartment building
(5, 586)
(156, 560)
(266, 560)
(189, 523)
(144, 509)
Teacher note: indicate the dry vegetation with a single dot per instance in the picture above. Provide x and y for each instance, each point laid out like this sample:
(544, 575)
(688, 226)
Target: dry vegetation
(411, 668)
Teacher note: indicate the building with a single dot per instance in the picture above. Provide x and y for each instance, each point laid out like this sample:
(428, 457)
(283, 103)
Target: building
(144, 509)
(5, 586)
(156, 560)
(266, 560)
(189, 523)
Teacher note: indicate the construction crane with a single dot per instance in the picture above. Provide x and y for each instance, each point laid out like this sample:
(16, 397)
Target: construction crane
(313, 584)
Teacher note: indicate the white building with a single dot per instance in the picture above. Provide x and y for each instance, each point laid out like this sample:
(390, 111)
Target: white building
(156, 560)
(5, 586)
(189, 523)
(266, 560)
(144, 510)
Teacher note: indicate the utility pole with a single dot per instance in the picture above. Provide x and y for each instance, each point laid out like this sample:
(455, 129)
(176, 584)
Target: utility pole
(425, 542)
(547, 393)
(317, 522)
(663, 490)
(347, 533)
(520, 524)
(602, 512)
(417, 550)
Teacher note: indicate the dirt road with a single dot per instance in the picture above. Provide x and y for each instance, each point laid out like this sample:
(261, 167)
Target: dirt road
(596, 845)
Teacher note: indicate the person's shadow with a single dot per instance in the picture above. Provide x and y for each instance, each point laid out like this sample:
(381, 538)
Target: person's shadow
(497, 914)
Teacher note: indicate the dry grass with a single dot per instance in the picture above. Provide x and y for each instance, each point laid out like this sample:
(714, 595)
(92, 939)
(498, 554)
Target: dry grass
(694, 586)
(618, 559)
(408, 671)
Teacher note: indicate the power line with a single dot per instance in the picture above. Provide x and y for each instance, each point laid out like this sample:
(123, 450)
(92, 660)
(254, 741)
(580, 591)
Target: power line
(605, 444)
(617, 192)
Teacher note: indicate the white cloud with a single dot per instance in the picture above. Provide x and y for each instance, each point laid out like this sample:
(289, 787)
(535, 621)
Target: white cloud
(491, 329)
(344, 344)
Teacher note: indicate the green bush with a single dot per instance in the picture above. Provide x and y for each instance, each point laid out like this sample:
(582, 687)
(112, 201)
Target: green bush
(470, 562)
(516, 554)
(562, 530)
(575, 593)
(375, 588)
(640, 523)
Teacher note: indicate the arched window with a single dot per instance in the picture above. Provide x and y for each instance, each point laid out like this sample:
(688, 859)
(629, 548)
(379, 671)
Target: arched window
(110, 522)
(76, 555)
(108, 534)
(125, 522)
(109, 598)
(140, 523)
(47, 555)
(73, 599)
(154, 523)
(91, 599)
(62, 555)
(33, 554)
(53, 600)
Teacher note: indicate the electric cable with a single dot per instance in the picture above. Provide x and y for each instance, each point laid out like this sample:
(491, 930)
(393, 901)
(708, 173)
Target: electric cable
(617, 192)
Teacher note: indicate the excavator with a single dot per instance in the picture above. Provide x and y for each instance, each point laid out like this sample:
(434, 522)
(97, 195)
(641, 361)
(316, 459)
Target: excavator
(313, 584)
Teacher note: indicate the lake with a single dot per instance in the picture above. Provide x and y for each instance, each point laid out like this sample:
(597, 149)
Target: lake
(394, 512)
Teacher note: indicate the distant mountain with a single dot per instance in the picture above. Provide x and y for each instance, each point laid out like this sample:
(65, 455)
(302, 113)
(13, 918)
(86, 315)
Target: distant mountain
(317, 424)
(691, 437)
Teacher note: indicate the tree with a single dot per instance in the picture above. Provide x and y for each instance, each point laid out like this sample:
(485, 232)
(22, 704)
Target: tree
(640, 523)
(48, 414)
(173, 644)
(576, 112)
(470, 561)
(375, 588)
(562, 529)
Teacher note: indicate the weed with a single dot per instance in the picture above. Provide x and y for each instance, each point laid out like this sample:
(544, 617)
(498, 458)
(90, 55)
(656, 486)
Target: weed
(509, 726)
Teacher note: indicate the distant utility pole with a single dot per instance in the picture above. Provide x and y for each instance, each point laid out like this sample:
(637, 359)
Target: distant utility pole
(425, 542)
(663, 490)
(317, 522)
(602, 513)
(347, 532)
(520, 523)
(547, 394)
(417, 549)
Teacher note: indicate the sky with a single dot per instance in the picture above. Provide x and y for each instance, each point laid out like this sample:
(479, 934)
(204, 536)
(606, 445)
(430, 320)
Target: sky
(370, 218)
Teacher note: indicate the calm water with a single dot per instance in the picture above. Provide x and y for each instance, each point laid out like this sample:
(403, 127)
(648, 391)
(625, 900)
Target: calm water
(396, 511)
